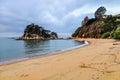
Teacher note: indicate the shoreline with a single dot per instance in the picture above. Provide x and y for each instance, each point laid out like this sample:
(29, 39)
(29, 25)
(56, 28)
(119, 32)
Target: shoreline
(44, 55)
(96, 61)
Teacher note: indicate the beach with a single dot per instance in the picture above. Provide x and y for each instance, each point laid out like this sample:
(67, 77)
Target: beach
(100, 60)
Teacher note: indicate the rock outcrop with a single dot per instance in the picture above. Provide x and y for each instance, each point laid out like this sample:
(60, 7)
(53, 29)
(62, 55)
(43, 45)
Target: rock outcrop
(95, 28)
(36, 32)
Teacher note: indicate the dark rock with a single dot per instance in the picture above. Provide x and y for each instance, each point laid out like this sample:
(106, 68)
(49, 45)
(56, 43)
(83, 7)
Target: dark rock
(33, 31)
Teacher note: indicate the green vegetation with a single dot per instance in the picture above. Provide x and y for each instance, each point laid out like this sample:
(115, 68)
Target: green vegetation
(106, 35)
(116, 34)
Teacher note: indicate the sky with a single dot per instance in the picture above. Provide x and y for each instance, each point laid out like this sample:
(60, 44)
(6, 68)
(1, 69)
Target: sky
(61, 16)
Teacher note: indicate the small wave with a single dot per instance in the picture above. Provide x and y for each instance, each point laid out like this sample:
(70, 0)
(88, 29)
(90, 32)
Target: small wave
(79, 46)
(11, 61)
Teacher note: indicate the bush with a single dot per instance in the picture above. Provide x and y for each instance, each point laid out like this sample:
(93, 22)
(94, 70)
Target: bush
(118, 29)
(116, 34)
(106, 35)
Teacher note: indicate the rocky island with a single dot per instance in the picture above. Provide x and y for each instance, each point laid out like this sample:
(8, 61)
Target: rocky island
(36, 32)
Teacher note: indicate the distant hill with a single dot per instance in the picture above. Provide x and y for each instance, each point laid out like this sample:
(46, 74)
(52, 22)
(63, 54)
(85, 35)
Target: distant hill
(98, 27)
(33, 31)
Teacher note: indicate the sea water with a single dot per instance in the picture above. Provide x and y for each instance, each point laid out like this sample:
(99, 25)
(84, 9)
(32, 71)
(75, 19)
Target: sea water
(14, 50)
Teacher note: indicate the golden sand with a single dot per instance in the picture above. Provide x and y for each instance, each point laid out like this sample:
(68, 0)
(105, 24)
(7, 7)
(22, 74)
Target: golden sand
(100, 60)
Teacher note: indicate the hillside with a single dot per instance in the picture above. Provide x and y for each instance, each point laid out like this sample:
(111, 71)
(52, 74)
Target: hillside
(95, 28)
(33, 31)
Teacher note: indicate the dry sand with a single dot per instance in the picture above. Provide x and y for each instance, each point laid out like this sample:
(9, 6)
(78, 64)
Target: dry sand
(98, 61)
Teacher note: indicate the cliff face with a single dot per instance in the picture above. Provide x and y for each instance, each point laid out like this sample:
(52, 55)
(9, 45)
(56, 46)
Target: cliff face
(33, 31)
(95, 28)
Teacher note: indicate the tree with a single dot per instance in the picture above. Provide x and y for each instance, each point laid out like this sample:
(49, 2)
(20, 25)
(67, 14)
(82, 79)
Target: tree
(54, 35)
(85, 20)
(100, 12)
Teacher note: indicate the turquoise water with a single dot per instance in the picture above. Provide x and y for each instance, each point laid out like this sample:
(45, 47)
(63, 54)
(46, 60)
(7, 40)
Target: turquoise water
(13, 50)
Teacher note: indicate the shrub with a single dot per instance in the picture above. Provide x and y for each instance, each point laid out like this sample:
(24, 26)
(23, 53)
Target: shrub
(116, 34)
(118, 29)
(106, 35)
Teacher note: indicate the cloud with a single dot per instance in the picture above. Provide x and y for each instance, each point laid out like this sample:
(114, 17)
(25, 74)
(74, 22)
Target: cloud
(62, 16)
(113, 10)
(81, 11)
(48, 17)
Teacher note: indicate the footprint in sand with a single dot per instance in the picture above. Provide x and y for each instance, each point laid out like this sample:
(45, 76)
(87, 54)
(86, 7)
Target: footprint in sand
(24, 75)
(97, 75)
(117, 43)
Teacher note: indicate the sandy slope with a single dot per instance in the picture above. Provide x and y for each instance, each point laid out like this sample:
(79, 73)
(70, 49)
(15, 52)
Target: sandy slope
(98, 61)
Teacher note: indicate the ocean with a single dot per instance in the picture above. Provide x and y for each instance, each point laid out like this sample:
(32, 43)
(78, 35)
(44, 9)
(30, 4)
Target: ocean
(15, 50)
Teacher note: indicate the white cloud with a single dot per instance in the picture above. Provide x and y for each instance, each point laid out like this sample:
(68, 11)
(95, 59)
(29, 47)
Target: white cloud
(8, 15)
(49, 17)
(113, 10)
(82, 10)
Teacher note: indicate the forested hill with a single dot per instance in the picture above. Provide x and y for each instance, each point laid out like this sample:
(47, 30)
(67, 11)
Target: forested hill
(102, 26)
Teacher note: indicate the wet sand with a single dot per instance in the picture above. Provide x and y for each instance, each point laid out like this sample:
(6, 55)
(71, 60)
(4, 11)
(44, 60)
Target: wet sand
(100, 60)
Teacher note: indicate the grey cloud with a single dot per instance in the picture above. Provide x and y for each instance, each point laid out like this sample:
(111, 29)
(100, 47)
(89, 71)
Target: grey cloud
(57, 15)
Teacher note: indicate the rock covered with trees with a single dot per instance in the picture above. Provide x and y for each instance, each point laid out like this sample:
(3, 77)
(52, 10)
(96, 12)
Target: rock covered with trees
(102, 26)
(36, 32)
